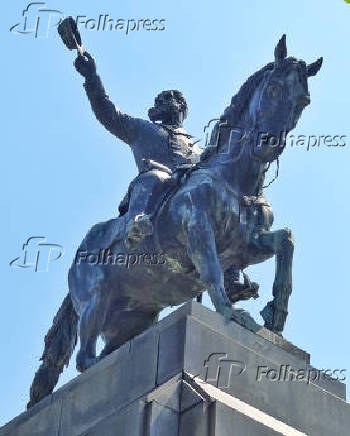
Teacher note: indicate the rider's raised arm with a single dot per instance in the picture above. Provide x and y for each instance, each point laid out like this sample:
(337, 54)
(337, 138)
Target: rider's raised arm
(114, 120)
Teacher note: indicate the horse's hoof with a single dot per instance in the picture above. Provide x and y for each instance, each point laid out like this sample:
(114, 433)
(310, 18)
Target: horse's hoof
(84, 362)
(240, 291)
(274, 318)
(227, 312)
(243, 318)
(267, 315)
(278, 333)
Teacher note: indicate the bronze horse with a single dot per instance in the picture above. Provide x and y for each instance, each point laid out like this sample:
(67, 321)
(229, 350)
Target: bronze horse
(216, 217)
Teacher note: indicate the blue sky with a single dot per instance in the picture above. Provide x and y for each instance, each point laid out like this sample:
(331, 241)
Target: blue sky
(62, 172)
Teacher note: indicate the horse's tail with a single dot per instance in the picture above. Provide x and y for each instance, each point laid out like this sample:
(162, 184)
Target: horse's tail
(60, 342)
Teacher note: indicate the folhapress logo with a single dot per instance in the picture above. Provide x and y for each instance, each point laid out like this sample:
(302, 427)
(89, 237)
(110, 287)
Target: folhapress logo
(37, 254)
(38, 19)
(218, 370)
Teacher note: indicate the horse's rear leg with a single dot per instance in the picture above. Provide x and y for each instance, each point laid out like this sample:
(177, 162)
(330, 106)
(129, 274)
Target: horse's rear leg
(91, 323)
(122, 326)
(276, 311)
(201, 248)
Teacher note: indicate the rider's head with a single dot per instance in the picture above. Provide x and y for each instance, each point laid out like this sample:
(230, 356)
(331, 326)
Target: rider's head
(170, 107)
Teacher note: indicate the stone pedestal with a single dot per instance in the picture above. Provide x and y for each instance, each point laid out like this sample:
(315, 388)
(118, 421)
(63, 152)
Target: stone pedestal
(194, 374)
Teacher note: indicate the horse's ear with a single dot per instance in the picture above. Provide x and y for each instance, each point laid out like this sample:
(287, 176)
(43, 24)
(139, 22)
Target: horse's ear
(314, 68)
(280, 50)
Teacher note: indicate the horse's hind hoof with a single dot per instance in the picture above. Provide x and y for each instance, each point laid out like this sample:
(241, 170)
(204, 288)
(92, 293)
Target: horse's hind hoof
(84, 362)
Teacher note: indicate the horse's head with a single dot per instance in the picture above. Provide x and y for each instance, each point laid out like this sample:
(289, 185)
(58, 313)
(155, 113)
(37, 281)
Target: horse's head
(252, 130)
(279, 98)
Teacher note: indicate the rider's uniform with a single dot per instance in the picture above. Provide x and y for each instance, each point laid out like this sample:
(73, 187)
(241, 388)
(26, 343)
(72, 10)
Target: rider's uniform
(152, 144)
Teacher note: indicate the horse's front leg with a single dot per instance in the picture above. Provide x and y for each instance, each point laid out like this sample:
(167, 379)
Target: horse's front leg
(201, 249)
(281, 243)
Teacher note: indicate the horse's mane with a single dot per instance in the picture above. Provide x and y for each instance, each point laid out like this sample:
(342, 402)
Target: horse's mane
(234, 111)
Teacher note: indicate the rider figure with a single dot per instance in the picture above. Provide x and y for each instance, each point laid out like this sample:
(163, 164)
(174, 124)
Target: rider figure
(160, 146)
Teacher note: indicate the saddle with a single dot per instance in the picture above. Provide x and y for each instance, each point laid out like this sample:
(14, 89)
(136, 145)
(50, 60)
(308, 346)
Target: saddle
(171, 184)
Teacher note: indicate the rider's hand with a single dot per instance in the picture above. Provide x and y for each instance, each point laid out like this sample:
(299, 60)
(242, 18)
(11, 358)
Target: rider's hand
(85, 65)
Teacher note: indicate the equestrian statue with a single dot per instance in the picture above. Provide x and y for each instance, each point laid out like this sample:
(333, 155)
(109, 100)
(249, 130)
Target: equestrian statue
(193, 219)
